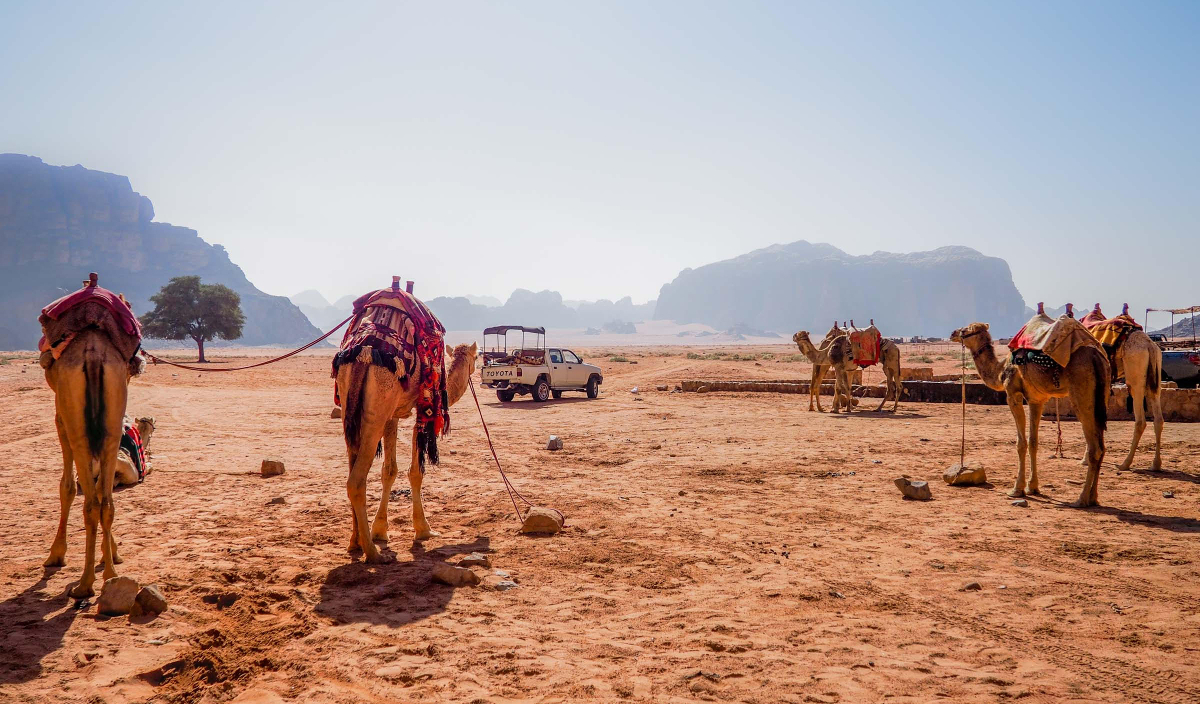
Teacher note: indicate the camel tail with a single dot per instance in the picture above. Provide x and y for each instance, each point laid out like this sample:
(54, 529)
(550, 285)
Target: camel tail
(93, 406)
(352, 404)
(1100, 364)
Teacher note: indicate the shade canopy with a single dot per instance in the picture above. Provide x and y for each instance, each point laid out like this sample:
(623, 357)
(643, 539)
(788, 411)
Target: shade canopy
(503, 330)
(1176, 311)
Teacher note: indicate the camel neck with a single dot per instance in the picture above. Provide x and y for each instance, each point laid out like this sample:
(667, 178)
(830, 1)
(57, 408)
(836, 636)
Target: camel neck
(987, 364)
(456, 378)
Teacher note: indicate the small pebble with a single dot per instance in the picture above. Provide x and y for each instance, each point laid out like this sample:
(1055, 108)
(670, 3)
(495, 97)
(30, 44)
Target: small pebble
(1021, 502)
(1168, 494)
(971, 587)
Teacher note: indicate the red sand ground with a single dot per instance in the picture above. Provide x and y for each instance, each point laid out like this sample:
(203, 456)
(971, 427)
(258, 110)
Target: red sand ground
(726, 547)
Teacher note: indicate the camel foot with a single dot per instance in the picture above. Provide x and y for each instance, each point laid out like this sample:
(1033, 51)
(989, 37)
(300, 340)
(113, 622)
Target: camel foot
(1081, 503)
(82, 591)
(1157, 466)
(380, 558)
(1016, 493)
(379, 531)
(1124, 466)
(425, 534)
(117, 559)
(55, 560)
(1033, 490)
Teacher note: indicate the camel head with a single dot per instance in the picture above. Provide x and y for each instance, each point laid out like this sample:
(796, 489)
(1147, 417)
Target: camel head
(463, 354)
(973, 335)
(801, 336)
(145, 426)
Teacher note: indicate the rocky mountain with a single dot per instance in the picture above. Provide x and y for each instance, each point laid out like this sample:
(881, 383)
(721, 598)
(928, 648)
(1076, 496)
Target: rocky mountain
(544, 308)
(803, 285)
(58, 223)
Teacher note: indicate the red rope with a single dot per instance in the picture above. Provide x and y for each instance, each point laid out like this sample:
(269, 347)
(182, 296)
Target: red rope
(513, 494)
(249, 366)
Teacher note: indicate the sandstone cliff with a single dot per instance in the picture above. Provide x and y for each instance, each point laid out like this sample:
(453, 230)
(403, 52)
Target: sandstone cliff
(806, 286)
(58, 223)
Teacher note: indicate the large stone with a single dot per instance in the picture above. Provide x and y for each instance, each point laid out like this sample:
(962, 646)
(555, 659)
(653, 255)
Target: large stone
(555, 443)
(150, 601)
(272, 468)
(475, 559)
(336, 412)
(918, 491)
(969, 475)
(542, 520)
(454, 576)
(118, 596)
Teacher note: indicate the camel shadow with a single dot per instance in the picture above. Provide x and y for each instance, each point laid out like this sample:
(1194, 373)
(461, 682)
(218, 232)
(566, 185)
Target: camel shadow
(1175, 524)
(394, 594)
(26, 636)
(1167, 474)
(885, 414)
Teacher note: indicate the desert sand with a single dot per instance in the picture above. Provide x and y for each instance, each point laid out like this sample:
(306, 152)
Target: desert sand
(720, 547)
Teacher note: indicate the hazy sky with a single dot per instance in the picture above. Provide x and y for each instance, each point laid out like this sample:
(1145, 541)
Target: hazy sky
(597, 149)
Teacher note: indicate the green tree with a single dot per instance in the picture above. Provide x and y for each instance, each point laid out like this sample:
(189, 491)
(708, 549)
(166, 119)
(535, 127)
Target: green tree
(187, 308)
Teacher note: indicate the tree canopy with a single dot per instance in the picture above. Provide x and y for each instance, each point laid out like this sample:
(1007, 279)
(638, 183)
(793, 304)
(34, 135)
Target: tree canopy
(186, 308)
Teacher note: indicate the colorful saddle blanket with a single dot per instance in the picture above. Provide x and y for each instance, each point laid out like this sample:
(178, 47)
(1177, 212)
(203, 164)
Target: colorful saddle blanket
(1055, 339)
(865, 346)
(1111, 333)
(89, 307)
(396, 330)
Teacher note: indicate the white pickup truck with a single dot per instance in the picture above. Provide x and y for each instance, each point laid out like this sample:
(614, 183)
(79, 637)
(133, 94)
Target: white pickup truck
(539, 371)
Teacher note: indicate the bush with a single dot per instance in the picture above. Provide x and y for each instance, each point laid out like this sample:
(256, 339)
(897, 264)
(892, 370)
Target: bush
(618, 358)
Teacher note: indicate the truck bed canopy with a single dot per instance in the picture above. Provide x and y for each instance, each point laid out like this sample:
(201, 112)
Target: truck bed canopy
(503, 330)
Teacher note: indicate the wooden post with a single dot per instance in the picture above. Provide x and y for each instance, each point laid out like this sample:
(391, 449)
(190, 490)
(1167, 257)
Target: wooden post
(409, 287)
(395, 283)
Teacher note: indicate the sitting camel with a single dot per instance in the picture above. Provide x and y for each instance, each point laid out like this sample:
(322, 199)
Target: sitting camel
(374, 403)
(127, 472)
(1087, 385)
(834, 353)
(90, 380)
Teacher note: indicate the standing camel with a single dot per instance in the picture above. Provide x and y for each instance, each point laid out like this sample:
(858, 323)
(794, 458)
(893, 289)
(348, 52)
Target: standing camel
(1087, 385)
(889, 357)
(834, 353)
(1139, 360)
(89, 353)
(375, 399)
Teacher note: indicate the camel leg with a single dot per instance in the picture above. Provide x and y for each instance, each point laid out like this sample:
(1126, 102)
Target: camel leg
(1018, 413)
(1137, 392)
(66, 496)
(1156, 403)
(379, 529)
(1035, 421)
(894, 382)
(91, 521)
(361, 459)
(887, 392)
(421, 529)
(1094, 435)
(108, 548)
(814, 389)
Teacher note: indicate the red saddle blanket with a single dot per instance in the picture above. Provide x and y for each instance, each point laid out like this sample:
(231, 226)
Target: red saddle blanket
(90, 307)
(398, 331)
(865, 346)
(1110, 332)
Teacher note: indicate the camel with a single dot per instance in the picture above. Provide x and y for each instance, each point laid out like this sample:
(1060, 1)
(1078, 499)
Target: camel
(1139, 360)
(1087, 385)
(834, 353)
(126, 471)
(90, 381)
(889, 358)
(383, 402)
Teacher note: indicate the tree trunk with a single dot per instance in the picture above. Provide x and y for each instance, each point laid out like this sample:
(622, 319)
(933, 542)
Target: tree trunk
(200, 343)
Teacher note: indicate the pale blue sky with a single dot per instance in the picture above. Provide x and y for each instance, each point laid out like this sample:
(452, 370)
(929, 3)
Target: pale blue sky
(597, 149)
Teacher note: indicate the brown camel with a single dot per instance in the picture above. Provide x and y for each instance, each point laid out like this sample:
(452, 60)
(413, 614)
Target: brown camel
(1087, 385)
(90, 381)
(384, 402)
(1139, 361)
(834, 353)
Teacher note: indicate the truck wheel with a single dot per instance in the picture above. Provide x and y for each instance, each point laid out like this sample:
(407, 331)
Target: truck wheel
(505, 395)
(556, 394)
(593, 388)
(541, 390)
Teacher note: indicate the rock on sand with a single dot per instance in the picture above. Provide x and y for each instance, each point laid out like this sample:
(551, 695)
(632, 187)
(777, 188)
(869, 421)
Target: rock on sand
(454, 576)
(542, 520)
(272, 467)
(914, 490)
(118, 596)
(969, 475)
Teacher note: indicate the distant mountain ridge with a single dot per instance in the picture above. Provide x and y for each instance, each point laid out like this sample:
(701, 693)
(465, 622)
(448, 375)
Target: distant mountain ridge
(57, 223)
(804, 285)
